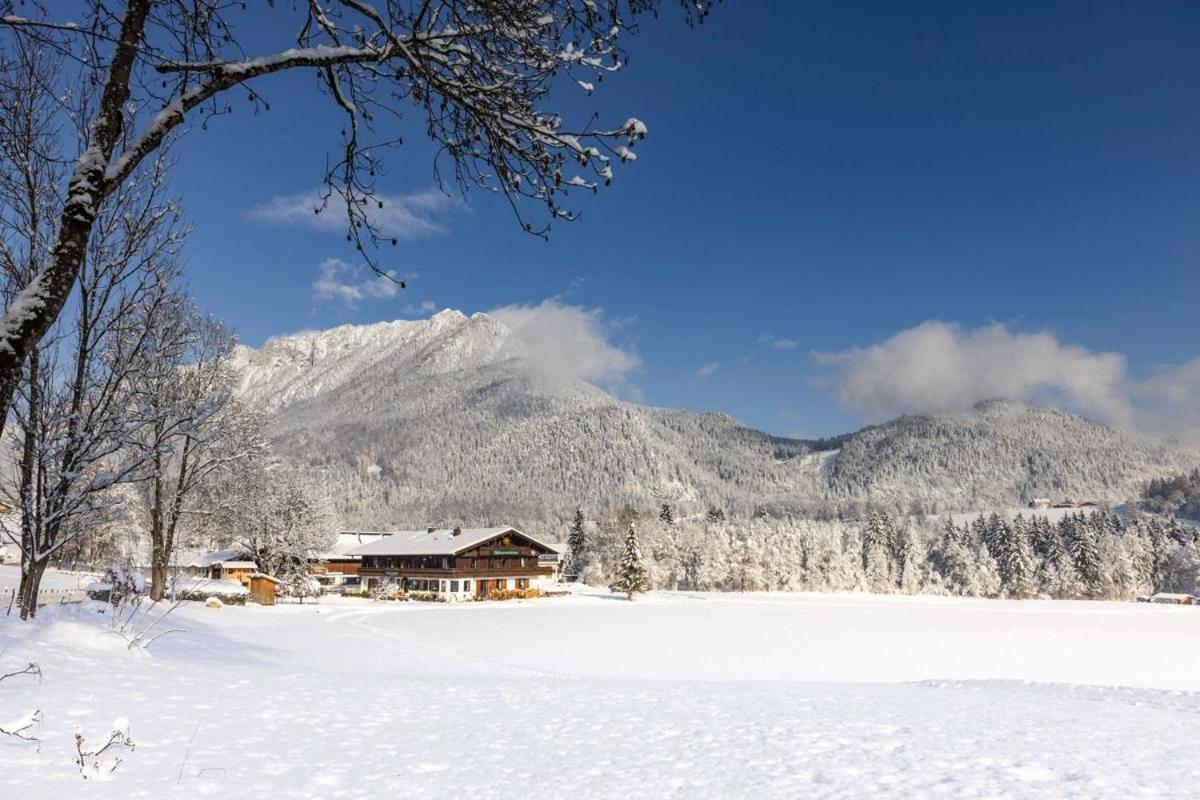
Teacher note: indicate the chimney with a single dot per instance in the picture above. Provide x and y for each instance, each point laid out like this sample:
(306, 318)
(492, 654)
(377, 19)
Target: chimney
(457, 530)
(430, 530)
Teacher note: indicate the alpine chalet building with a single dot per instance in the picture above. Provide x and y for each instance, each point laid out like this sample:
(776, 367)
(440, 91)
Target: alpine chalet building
(457, 563)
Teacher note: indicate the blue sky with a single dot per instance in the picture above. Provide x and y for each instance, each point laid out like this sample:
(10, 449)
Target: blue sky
(816, 178)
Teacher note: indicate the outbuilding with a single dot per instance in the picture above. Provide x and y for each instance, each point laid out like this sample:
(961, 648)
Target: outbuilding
(262, 588)
(1173, 598)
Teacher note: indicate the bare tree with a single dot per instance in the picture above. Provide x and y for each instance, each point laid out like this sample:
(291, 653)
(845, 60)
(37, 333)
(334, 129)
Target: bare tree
(192, 428)
(479, 71)
(75, 390)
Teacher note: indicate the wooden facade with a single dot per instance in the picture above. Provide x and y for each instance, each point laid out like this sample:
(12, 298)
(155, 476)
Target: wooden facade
(262, 588)
(479, 564)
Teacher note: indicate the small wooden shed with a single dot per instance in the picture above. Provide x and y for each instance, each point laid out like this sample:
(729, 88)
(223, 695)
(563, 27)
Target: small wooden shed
(262, 588)
(1172, 598)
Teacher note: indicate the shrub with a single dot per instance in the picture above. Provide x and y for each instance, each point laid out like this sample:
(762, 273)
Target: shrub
(428, 597)
(514, 594)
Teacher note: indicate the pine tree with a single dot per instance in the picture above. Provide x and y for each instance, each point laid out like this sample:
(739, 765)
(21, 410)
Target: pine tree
(575, 563)
(1085, 551)
(631, 574)
(1057, 576)
(877, 555)
(716, 514)
(666, 514)
(1015, 558)
(956, 560)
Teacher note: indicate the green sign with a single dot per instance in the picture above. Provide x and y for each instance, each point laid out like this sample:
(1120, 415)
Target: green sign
(499, 552)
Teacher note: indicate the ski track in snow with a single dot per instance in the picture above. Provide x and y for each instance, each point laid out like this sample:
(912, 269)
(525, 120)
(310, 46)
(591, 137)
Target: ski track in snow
(589, 697)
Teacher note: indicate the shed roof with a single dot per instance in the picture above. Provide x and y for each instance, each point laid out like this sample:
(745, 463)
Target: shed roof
(439, 542)
(218, 556)
(237, 565)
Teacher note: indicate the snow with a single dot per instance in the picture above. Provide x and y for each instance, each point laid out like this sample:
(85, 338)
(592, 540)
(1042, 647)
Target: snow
(684, 695)
(187, 584)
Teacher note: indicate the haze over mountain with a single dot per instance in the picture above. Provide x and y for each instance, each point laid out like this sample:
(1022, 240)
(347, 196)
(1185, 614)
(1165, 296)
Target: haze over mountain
(449, 420)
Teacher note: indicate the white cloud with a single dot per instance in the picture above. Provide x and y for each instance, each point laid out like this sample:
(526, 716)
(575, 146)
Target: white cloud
(777, 343)
(708, 369)
(565, 340)
(424, 308)
(939, 365)
(338, 280)
(1169, 402)
(403, 216)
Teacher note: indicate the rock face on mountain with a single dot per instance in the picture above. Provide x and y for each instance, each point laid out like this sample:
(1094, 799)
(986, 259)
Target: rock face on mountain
(446, 420)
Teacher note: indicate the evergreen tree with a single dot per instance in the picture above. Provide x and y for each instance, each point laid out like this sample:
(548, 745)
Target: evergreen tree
(575, 563)
(666, 514)
(631, 573)
(956, 561)
(985, 581)
(909, 577)
(716, 515)
(1015, 558)
(877, 555)
(1085, 552)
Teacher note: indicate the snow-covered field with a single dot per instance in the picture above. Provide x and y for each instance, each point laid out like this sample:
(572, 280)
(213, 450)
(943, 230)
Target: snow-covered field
(671, 696)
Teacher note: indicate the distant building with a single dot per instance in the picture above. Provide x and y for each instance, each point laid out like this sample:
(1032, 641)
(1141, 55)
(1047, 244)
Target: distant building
(1065, 504)
(1172, 598)
(555, 558)
(233, 564)
(457, 564)
(1040, 502)
(336, 567)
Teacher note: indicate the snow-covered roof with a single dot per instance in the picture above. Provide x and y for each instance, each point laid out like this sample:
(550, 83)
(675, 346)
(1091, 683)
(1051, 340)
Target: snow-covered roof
(218, 556)
(237, 565)
(350, 540)
(438, 542)
(265, 577)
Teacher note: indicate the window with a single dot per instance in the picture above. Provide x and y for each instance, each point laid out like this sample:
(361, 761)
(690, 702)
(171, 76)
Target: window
(454, 586)
(521, 583)
(466, 586)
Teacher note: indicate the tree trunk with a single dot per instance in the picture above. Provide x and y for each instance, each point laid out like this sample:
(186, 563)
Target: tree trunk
(158, 577)
(31, 581)
(158, 556)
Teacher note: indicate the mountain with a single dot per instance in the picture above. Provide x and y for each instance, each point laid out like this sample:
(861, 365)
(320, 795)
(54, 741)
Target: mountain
(448, 420)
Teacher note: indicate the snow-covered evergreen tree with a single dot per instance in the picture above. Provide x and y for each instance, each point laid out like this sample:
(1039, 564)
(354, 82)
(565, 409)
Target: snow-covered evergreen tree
(631, 572)
(1016, 558)
(575, 559)
(877, 554)
(1085, 552)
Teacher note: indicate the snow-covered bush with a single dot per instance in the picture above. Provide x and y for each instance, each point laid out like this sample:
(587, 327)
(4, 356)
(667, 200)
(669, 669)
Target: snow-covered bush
(118, 585)
(300, 585)
(188, 587)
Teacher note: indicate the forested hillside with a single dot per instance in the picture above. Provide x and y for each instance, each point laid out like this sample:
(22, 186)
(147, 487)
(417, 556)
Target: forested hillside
(446, 420)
